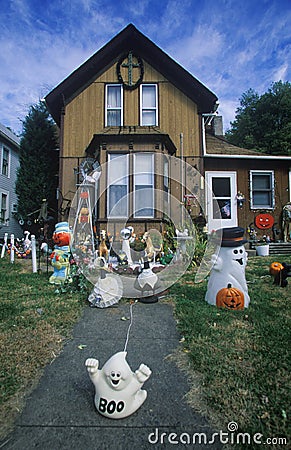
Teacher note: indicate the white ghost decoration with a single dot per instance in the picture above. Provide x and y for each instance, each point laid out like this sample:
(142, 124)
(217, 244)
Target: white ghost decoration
(118, 392)
(228, 269)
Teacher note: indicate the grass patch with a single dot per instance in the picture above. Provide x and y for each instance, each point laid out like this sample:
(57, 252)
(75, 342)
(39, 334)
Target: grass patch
(34, 321)
(239, 360)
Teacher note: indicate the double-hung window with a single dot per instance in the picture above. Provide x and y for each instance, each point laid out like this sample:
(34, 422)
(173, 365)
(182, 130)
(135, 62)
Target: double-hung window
(5, 162)
(149, 104)
(114, 105)
(4, 208)
(262, 189)
(143, 185)
(117, 199)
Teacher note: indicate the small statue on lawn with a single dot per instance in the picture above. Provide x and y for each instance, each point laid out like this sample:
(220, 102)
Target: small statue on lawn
(61, 255)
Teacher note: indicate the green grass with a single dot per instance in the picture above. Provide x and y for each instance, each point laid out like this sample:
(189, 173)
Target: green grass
(241, 358)
(34, 321)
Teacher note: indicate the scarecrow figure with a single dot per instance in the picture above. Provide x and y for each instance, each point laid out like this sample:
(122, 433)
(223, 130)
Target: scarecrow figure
(60, 257)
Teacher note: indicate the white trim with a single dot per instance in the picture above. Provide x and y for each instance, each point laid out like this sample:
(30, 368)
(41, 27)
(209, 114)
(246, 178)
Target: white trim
(287, 158)
(289, 187)
(7, 213)
(151, 186)
(116, 108)
(3, 146)
(156, 108)
(258, 172)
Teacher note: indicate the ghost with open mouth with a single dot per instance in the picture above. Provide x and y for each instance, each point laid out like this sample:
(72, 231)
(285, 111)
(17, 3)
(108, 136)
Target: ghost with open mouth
(228, 271)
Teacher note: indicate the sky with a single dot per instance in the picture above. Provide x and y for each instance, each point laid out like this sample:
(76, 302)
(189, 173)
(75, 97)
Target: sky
(228, 45)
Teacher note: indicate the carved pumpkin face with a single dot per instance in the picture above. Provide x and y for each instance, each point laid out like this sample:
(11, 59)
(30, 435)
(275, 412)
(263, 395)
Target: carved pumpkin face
(230, 298)
(275, 268)
(61, 239)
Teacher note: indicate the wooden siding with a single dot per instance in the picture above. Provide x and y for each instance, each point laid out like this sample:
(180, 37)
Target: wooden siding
(246, 215)
(7, 185)
(85, 114)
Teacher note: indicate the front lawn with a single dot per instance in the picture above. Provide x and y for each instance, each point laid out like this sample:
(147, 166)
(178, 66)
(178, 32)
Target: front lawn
(239, 360)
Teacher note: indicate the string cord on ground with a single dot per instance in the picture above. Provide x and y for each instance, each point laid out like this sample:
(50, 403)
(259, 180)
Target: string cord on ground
(130, 324)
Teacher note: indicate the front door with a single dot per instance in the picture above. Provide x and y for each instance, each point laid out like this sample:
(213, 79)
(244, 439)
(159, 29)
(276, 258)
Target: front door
(221, 204)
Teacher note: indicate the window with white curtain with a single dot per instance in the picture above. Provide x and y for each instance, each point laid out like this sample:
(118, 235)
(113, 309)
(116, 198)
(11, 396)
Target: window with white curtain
(143, 185)
(114, 105)
(149, 104)
(117, 199)
(262, 189)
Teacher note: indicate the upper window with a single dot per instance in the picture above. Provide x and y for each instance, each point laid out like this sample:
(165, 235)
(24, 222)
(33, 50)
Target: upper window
(262, 189)
(143, 185)
(5, 162)
(149, 104)
(4, 208)
(114, 105)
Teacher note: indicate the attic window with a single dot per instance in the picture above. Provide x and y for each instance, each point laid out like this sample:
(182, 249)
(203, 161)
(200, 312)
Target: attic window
(262, 189)
(114, 105)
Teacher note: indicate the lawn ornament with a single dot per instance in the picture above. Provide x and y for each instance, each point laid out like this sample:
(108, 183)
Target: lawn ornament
(118, 392)
(147, 282)
(286, 222)
(60, 257)
(227, 276)
(280, 278)
(275, 268)
(103, 250)
(127, 235)
(230, 298)
(108, 288)
(264, 221)
(4, 246)
(149, 250)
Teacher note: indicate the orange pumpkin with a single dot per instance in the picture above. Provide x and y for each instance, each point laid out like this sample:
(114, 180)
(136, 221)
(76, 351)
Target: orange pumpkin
(61, 238)
(230, 298)
(275, 268)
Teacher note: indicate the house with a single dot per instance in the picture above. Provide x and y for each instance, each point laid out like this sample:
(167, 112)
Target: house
(9, 162)
(128, 109)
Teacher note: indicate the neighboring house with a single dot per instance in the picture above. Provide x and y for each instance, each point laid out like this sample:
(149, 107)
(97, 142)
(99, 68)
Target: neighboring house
(9, 154)
(132, 100)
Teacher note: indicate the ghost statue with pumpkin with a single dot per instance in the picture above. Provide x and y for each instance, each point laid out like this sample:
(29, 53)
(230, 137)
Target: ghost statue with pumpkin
(227, 286)
(60, 257)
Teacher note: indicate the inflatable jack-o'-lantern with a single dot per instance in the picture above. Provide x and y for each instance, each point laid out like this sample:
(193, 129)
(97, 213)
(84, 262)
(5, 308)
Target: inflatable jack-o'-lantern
(275, 268)
(230, 298)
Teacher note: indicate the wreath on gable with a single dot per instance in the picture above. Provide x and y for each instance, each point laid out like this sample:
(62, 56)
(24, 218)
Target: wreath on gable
(130, 65)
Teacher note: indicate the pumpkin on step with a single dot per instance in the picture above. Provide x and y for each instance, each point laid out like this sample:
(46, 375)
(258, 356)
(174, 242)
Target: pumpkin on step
(275, 268)
(230, 298)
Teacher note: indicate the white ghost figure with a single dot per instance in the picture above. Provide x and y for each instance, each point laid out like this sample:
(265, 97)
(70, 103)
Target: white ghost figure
(228, 269)
(118, 392)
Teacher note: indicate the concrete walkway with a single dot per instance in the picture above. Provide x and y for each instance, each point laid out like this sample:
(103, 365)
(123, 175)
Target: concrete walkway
(60, 413)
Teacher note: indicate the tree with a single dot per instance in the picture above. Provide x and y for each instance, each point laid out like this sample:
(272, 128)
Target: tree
(264, 122)
(37, 174)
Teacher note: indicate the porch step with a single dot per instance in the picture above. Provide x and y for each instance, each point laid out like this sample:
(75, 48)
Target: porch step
(280, 248)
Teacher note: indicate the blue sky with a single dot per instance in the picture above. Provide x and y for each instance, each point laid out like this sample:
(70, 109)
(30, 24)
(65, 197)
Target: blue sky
(229, 45)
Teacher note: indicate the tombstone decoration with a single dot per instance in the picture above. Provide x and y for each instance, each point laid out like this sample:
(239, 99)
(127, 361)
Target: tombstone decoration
(60, 257)
(118, 392)
(227, 287)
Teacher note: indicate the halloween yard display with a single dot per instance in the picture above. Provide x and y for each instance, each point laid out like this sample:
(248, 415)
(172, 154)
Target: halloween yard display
(127, 235)
(108, 289)
(227, 287)
(280, 273)
(147, 282)
(286, 222)
(118, 392)
(60, 257)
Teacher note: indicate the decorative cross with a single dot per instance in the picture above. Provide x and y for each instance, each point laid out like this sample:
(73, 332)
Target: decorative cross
(130, 65)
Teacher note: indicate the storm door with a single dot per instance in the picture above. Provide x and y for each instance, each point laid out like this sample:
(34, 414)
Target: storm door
(221, 207)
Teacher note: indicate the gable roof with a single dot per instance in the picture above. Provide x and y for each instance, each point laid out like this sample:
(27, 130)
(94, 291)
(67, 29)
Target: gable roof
(129, 39)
